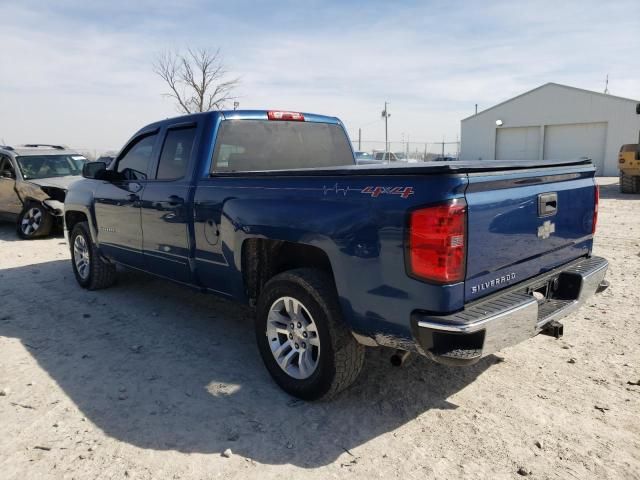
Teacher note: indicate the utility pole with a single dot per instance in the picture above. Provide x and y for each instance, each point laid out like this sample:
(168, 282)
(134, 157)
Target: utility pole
(386, 115)
(443, 146)
(359, 139)
(476, 108)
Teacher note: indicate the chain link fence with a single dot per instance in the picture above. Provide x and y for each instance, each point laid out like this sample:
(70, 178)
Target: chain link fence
(423, 151)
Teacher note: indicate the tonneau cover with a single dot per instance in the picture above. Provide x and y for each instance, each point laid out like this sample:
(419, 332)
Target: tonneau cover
(472, 166)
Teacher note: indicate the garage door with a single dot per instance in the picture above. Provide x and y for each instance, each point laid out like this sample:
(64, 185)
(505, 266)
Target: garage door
(563, 142)
(518, 143)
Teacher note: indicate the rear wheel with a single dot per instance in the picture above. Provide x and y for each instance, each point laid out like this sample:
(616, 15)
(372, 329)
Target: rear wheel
(302, 339)
(90, 269)
(34, 221)
(628, 184)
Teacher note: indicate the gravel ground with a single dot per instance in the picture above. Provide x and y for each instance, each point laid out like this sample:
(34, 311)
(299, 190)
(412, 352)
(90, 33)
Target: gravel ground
(151, 380)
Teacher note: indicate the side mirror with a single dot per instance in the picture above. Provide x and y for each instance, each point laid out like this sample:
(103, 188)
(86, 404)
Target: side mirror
(93, 169)
(7, 174)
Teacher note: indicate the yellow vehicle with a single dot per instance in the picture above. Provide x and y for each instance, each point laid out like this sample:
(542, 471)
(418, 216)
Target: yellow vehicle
(629, 165)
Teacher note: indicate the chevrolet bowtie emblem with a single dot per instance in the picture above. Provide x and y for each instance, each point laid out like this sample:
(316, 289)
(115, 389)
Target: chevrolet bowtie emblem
(546, 229)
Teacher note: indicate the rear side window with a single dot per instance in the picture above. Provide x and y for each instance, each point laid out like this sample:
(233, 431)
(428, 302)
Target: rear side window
(135, 162)
(5, 165)
(176, 153)
(252, 145)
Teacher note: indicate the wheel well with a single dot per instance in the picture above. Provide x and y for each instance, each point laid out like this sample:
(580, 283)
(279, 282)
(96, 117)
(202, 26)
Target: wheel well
(262, 259)
(72, 218)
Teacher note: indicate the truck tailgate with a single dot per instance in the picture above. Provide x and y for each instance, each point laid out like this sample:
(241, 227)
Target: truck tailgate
(523, 223)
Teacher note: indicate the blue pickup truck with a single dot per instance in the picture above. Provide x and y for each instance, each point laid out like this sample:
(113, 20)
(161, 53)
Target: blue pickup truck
(452, 261)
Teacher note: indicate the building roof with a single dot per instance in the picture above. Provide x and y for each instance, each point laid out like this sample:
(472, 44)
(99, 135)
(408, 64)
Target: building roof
(581, 90)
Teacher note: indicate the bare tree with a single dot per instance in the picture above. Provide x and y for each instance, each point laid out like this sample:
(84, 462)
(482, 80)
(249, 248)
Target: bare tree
(198, 80)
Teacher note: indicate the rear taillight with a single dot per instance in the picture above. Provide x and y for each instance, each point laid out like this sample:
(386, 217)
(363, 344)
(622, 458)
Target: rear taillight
(595, 210)
(291, 116)
(437, 242)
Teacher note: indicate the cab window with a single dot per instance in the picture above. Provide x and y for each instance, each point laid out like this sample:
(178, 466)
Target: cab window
(135, 162)
(176, 153)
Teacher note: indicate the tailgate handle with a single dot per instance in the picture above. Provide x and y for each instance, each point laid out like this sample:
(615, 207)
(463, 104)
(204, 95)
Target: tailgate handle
(547, 204)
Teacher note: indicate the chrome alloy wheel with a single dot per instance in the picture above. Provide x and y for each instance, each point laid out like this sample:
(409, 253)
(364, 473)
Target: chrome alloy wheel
(31, 221)
(293, 338)
(81, 256)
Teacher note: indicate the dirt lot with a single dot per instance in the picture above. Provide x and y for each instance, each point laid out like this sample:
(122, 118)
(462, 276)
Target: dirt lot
(150, 380)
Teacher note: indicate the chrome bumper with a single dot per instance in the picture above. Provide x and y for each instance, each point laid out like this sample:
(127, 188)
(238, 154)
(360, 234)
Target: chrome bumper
(508, 318)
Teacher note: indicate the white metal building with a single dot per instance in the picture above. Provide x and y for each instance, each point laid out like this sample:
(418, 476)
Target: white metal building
(553, 121)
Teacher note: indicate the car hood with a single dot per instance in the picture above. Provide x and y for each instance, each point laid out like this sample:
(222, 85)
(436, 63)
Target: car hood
(60, 182)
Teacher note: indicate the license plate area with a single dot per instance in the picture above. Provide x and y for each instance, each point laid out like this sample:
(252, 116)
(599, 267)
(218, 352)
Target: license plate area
(544, 290)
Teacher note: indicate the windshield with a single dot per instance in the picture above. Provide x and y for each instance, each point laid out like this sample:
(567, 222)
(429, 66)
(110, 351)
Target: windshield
(363, 155)
(47, 166)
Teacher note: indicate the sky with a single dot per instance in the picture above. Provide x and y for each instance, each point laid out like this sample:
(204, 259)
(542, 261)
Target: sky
(80, 73)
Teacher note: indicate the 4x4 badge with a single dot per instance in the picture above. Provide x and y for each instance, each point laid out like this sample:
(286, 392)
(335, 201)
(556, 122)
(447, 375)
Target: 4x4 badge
(546, 229)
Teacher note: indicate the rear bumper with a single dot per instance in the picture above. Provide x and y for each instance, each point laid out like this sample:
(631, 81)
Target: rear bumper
(509, 317)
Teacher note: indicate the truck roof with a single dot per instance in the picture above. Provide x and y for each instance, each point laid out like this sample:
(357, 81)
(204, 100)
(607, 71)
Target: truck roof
(239, 115)
(236, 115)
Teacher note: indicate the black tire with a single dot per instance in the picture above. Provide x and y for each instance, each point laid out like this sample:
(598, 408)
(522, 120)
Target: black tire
(100, 273)
(341, 357)
(34, 221)
(628, 184)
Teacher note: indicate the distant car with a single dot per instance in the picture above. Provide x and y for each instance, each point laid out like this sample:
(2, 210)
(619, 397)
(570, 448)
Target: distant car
(403, 157)
(444, 159)
(108, 159)
(365, 158)
(34, 180)
(386, 157)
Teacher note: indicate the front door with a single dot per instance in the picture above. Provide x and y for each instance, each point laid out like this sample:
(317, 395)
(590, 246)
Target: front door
(117, 202)
(10, 204)
(165, 207)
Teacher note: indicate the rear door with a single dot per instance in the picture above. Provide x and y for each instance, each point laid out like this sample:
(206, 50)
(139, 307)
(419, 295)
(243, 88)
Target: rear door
(524, 223)
(165, 211)
(117, 202)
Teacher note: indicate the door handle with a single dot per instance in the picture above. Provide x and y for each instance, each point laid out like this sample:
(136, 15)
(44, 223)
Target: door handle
(547, 204)
(175, 201)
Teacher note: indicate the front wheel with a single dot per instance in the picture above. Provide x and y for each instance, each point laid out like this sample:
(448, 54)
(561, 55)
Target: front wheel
(90, 269)
(34, 221)
(302, 339)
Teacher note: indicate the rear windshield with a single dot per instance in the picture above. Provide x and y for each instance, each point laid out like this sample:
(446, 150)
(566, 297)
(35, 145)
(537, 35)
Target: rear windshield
(46, 166)
(252, 145)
